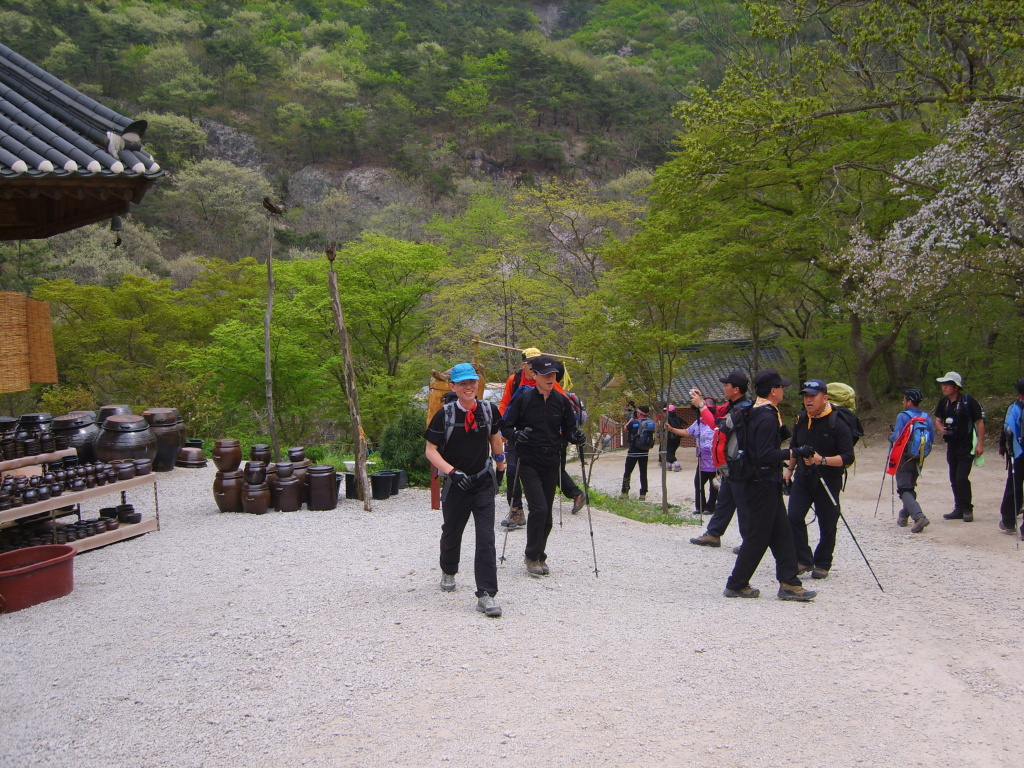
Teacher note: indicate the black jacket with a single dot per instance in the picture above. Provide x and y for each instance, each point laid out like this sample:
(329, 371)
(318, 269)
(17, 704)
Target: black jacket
(829, 436)
(763, 443)
(551, 422)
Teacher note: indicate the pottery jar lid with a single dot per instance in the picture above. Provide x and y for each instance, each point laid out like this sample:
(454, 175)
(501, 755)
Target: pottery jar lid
(72, 421)
(160, 415)
(227, 441)
(7, 422)
(235, 473)
(125, 423)
(320, 469)
(35, 418)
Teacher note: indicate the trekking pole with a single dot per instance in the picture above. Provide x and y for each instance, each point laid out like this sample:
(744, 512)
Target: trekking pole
(1013, 479)
(843, 518)
(882, 486)
(509, 527)
(586, 495)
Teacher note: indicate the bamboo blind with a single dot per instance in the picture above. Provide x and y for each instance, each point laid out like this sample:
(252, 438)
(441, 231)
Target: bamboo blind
(26, 343)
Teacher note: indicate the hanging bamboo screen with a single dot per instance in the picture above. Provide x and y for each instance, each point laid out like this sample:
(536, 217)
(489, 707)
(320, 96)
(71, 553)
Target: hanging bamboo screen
(42, 360)
(14, 365)
(26, 343)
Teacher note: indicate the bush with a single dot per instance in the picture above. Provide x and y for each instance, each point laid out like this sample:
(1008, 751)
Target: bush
(401, 446)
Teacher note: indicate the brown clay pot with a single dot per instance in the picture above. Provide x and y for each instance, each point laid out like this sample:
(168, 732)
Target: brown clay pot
(125, 437)
(322, 487)
(227, 491)
(227, 454)
(255, 472)
(170, 436)
(288, 494)
(260, 452)
(255, 498)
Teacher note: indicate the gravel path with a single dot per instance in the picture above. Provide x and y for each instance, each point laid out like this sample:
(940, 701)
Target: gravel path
(322, 639)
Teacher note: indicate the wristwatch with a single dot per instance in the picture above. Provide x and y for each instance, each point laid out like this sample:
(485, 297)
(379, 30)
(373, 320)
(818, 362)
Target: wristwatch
(824, 461)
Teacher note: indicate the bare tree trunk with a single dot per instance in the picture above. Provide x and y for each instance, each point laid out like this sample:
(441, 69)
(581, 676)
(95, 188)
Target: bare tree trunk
(362, 481)
(866, 360)
(267, 371)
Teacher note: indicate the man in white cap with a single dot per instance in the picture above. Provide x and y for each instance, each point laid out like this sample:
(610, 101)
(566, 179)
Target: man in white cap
(961, 422)
(464, 444)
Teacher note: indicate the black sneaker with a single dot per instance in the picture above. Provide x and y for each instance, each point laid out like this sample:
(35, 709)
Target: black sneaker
(956, 514)
(1007, 531)
(745, 592)
(968, 515)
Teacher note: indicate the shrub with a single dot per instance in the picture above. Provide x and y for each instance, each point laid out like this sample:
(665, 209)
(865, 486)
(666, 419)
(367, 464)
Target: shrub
(401, 446)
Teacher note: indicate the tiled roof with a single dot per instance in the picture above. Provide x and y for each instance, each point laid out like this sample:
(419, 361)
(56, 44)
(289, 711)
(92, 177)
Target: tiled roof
(711, 361)
(48, 129)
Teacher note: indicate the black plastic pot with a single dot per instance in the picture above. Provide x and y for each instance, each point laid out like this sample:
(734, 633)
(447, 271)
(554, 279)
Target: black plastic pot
(380, 485)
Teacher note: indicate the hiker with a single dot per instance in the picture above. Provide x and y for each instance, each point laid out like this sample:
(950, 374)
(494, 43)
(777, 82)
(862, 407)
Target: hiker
(673, 422)
(1011, 445)
(464, 443)
(538, 421)
(514, 488)
(912, 437)
(730, 495)
(705, 472)
(830, 439)
(566, 484)
(767, 524)
(960, 420)
(638, 435)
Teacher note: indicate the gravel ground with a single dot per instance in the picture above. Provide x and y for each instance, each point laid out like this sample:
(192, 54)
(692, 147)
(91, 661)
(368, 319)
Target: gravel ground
(322, 639)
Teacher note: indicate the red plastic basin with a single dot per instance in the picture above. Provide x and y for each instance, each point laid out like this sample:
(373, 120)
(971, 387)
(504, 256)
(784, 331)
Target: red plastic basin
(34, 575)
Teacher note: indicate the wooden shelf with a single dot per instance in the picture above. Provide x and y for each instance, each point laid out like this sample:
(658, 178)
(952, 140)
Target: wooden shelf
(66, 499)
(31, 461)
(122, 532)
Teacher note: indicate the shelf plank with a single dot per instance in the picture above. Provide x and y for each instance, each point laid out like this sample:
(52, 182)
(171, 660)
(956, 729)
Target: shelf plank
(124, 531)
(66, 499)
(42, 458)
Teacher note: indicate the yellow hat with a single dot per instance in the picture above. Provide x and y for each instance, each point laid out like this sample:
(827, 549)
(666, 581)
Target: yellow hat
(530, 352)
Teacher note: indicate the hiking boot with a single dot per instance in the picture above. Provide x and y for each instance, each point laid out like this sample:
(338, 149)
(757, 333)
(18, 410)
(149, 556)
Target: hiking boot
(796, 593)
(577, 503)
(902, 519)
(486, 605)
(747, 591)
(643, 497)
(447, 582)
(968, 515)
(801, 569)
(624, 495)
(1007, 531)
(736, 549)
(535, 567)
(707, 540)
(956, 514)
(819, 573)
(516, 518)
(921, 523)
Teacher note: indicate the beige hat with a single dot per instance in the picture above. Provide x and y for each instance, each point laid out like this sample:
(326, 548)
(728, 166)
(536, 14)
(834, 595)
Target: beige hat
(530, 352)
(951, 378)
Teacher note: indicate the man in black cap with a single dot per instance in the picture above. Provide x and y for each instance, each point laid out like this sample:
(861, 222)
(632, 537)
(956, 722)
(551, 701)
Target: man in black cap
(730, 495)
(638, 435)
(961, 422)
(539, 421)
(767, 524)
(831, 442)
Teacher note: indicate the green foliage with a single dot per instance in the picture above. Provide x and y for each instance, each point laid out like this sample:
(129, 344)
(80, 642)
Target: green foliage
(640, 510)
(59, 400)
(173, 140)
(401, 446)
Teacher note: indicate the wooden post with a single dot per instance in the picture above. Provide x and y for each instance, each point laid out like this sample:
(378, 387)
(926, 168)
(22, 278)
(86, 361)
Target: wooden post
(362, 481)
(267, 372)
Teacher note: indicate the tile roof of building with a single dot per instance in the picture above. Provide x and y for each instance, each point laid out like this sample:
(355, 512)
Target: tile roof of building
(711, 361)
(49, 129)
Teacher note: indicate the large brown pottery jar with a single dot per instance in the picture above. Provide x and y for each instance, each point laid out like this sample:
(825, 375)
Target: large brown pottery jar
(81, 430)
(322, 484)
(255, 472)
(106, 411)
(300, 464)
(227, 454)
(260, 452)
(255, 498)
(163, 422)
(227, 491)
(288, 494)
(125, 437)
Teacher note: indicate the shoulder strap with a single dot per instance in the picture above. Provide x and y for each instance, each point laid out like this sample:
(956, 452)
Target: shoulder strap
(449, 420)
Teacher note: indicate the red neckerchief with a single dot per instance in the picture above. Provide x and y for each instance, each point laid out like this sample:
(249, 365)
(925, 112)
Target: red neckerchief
(470, 417)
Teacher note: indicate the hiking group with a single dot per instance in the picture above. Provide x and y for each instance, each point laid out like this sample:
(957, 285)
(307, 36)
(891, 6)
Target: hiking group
(740, 461)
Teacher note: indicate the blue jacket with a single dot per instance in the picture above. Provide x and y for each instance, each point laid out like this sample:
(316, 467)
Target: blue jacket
(1011, 425)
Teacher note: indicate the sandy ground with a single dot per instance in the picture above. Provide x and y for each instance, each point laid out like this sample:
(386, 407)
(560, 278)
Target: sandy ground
(322, 639)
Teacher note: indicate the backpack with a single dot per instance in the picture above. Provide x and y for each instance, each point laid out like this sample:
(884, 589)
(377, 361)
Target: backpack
(641, 434)
(849, 418)
(720, 440)
(1014, 436)
(733, 446)
(579, 408)
(449, 418)
(922, 435)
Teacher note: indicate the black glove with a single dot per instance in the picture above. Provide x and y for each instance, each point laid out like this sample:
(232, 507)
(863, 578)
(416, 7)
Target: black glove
(462, 481)
(522, 436)
(577, 437)
(803, 451)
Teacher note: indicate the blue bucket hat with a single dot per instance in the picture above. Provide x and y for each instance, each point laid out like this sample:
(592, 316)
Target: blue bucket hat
(463, 372)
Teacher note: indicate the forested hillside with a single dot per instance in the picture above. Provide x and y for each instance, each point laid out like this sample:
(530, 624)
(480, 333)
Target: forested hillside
(616, 179)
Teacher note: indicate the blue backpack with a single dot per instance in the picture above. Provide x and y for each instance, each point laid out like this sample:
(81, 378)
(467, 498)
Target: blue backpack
(641, 434)
(922, 435)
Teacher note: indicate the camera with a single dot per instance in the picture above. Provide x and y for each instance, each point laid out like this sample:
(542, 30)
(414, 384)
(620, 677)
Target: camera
(950, 432)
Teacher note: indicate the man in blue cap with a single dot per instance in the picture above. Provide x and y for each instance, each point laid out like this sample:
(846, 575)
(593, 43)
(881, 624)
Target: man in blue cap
(830, 442)
(464, 444)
